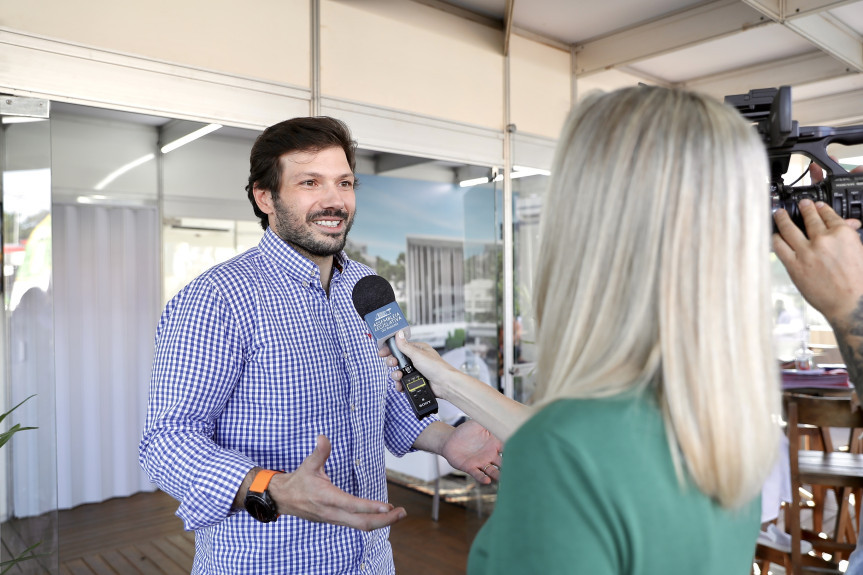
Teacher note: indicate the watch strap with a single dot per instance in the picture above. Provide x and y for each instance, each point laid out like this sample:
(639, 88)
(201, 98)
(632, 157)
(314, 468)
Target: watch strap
(262, 480)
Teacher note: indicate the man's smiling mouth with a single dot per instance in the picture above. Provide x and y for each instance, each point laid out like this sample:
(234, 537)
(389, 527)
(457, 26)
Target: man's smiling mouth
(328, 223)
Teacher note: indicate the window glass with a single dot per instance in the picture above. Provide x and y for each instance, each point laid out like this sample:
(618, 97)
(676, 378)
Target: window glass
(437, 244)
(528, 196)
(101, 156)
(191, 246)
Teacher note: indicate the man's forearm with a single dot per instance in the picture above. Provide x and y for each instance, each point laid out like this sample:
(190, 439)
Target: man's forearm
(849, 337)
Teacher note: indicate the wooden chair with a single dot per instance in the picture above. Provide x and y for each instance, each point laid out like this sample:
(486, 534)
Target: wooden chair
(842, 471)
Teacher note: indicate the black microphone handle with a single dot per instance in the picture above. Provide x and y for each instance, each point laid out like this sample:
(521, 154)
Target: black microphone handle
(414, 384)
(404, 362)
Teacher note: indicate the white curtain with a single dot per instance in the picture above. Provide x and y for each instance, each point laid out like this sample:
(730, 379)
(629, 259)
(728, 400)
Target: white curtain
(107, 303)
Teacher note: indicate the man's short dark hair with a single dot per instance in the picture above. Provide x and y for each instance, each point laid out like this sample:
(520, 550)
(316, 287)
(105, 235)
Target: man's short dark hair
(306, 134)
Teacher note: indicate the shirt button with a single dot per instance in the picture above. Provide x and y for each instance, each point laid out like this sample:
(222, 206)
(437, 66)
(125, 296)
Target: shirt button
(357, 462)
(305, 284)
(362, 566)
(353, 407)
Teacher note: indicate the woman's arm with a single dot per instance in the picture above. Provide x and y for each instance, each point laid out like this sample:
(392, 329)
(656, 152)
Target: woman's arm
(482, 403)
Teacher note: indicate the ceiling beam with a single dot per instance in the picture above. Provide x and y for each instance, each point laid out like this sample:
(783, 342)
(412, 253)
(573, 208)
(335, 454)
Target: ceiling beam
(817, 26)
(802, 7)
(830, 110)
(799, 70)
(681, 29)
(507, 22)
(781, 10)
(834, 37)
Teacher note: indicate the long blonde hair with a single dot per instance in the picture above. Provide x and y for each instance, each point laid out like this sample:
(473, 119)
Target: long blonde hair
(654, 274)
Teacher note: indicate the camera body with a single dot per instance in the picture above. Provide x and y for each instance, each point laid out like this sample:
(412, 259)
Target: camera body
(770, 110)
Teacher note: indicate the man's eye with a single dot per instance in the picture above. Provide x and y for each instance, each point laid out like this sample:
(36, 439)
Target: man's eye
(347, 184)
(307, 183)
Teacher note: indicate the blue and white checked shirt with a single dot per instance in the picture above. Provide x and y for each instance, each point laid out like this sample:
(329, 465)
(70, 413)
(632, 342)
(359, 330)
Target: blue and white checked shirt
(253, 361)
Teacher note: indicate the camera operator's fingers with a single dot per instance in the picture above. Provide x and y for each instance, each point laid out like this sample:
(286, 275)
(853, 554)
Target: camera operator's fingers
(789, 234)
(783, 251)
(853, 224)
(815, 220)
(816, 173)
(829, 216)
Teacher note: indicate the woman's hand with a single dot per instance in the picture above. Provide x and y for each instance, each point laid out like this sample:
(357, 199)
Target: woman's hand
(427, 361)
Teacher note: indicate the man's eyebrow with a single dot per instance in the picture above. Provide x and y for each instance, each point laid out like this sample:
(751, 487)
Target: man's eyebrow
(321, 176)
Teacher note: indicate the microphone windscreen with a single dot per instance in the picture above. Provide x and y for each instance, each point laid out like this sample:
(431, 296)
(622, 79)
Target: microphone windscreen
(375, 301)
(372, 293)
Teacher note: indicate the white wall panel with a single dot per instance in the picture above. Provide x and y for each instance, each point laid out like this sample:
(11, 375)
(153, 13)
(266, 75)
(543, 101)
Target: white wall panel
(540, 86)
(63, 71)
(533, 151)
(411, 57)
(390, 131)
(250, 39)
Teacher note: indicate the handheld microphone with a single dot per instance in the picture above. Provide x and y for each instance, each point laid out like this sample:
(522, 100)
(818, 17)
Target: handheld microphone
(375, 301)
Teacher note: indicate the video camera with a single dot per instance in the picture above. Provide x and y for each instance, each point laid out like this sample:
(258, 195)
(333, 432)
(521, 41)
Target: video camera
(770, 110)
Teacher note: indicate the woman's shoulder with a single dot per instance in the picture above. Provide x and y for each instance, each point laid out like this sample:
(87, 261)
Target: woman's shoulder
(618, 412)
(594, 429)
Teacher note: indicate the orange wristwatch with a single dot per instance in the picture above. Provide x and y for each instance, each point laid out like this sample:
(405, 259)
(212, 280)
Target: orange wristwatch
(258, 502)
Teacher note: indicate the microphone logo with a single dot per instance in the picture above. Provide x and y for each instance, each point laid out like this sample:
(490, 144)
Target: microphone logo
(386, 321)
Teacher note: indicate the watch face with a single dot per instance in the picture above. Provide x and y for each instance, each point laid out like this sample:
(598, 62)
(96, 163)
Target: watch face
(261, 507)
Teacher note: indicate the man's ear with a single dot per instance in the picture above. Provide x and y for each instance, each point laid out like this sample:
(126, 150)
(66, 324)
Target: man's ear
(264, 199)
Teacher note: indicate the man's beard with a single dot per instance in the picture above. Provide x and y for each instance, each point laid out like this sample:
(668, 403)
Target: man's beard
(295, 232)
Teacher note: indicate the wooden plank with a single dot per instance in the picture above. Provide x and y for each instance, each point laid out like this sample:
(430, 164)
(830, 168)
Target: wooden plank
(8, 552)
(181, 557)
(78, 567)
(165, 564)
(831, 468)
(185, 542)
(143, 563)
(140, 534)
(119, 563)
(98, 565)
(422, 546)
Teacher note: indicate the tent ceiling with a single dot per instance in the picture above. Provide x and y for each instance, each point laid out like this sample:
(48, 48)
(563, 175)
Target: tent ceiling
(720, 47)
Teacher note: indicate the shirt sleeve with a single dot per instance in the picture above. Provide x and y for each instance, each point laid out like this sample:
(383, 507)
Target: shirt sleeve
(553, 513)
(198, 360)
(401, 427)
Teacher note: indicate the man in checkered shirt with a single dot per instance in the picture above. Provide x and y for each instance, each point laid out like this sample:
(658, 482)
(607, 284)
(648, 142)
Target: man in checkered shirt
(268, 394)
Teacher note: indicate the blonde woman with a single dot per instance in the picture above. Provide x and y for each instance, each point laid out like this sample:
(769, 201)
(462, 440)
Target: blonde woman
(654, 429)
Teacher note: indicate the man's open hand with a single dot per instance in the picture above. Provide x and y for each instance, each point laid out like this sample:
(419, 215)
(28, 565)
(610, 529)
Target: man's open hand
(308, 493)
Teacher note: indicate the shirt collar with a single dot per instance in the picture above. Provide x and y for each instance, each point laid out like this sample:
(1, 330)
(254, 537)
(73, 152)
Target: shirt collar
(296, 265)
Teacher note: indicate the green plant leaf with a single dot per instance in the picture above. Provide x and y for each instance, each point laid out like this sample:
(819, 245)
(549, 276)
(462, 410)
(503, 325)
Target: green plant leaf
(3, 416)
(7, 435)
(7, 565)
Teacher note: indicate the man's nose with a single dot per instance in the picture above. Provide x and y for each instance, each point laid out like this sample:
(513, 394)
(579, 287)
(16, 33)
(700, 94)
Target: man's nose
(332, 197)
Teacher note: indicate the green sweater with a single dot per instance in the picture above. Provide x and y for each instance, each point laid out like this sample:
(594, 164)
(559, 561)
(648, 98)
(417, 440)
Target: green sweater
(588, 487)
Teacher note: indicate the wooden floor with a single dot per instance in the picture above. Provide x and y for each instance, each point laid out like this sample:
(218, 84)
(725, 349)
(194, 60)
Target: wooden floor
(141, 535)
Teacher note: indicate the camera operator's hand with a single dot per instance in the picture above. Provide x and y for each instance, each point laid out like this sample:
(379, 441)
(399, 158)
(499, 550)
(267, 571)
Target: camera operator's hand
(826, 266)
(816, 172)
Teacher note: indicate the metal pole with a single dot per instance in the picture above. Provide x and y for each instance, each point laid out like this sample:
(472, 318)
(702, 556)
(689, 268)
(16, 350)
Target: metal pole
(315, 80)
(508, 244)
